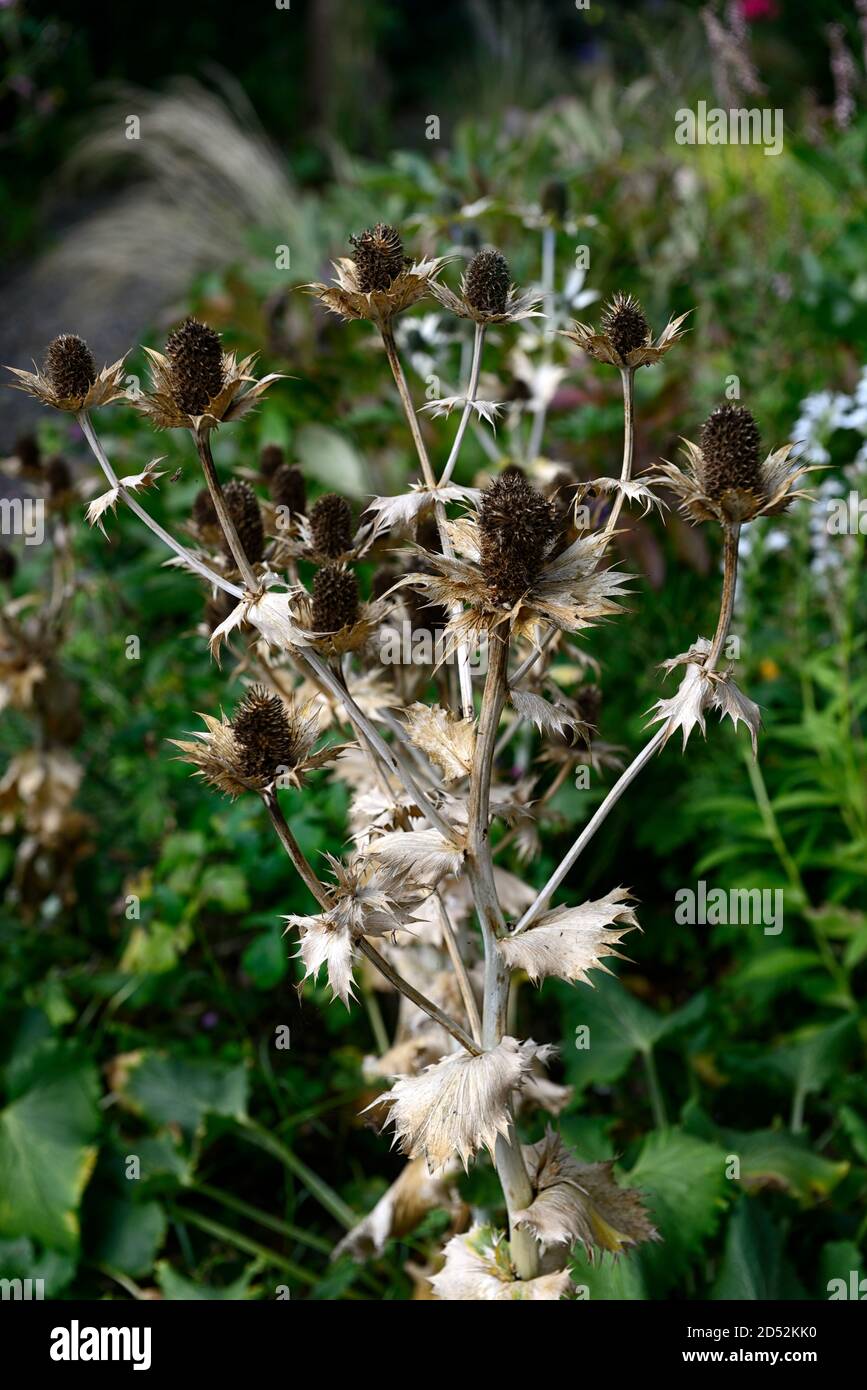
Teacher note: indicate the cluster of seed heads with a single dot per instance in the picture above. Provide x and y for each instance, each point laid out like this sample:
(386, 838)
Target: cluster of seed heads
(196, 355)
(264, 736)
(517, 527)
(379, 257)
(70, 367)
(731, 449)
(487, 281)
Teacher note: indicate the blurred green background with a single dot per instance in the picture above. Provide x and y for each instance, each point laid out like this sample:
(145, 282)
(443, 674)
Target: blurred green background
(155, 1036)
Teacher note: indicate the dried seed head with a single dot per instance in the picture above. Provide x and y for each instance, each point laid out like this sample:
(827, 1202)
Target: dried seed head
(288, 489)
(517, 526)
(731, 446)
(624, 322)
(58, 475)
(379, 257)
(27, 451)
(264, 736)
(70, 367)
(487, 281)
(8, 563)
(331, 526)
(196, 355)
(203, 513)
(270, 459)
(243, 507)
(335, 598)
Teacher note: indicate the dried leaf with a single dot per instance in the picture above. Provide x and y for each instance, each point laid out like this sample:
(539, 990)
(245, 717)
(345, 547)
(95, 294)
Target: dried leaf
(447, 740)
(569, 941)
(478, 1268)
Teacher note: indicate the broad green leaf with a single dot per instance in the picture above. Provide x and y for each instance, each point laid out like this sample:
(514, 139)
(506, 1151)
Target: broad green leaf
(127, 1235)
(683, 1184)
(610, 1277)
(178, 1289)
(266, 960)
(20, 1260)
(46, 1148)
(814, 1056)
(775, 1158)
(856, 1130)
(181, 1091)
(225, 886)
(753, 1265)
(842, 1267)
(619, 1026)
(331, 459)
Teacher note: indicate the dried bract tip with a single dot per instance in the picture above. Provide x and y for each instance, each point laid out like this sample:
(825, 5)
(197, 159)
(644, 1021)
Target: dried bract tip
(379, 257)
(243, 507)
(264, 736)
(731, 446)
(516, 528)
(624, 322)
(270, 459)
(487, 281)
(70, 367)
(331, 526)
(288, 489)
(335, 598)
(196, 356)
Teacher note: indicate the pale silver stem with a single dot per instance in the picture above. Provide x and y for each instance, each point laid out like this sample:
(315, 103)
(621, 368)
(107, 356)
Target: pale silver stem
(627, 376)
(625, 779)
(190, 561)
(420, 1000)
(472, 392)
(460, 970)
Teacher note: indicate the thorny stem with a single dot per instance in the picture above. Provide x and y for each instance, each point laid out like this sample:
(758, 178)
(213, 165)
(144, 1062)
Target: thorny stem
(450, 1025)
(239, 554)
(627, 376)
(189, 560)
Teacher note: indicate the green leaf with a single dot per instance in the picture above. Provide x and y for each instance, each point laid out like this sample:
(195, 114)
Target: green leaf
(843, 1262)
(855, 1127)
(753, 1264)
(46, 1153)
(611, 1277)
(618, 1026)
(266, 960)
(20, 1260)
(182, 1091)
(775, 1158)
(331, 459)
(814, 1055)
(178, 1289)
(225, 886)
(128, 1235)
(774, 965)
(683, 1183)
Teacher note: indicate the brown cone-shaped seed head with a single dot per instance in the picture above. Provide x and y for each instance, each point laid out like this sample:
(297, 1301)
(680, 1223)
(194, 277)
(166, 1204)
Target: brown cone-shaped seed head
(243, 507)
(270, 459)
(264, 736)
(196, 355)
(379, 257)
(70, 367)
(517, 526)
(731, 447)
(487, 281)
(27, 451)
(331, 526)
(624, 322)
(288, 489)
(335, 598)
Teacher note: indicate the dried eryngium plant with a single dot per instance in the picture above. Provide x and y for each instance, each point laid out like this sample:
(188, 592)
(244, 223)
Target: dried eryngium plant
(508, 572)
